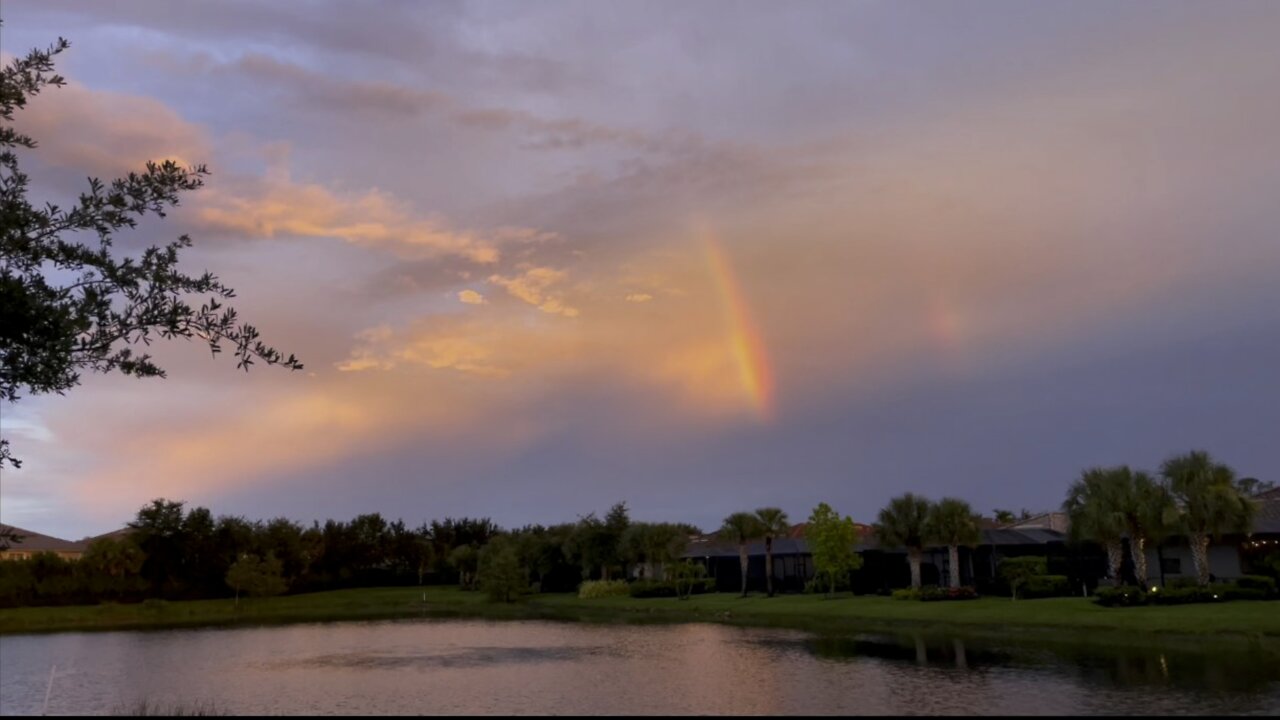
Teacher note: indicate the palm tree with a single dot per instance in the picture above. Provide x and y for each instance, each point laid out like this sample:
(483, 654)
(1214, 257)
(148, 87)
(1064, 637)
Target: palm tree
(741, 527)
(773, 523)
(903, 523)
(1095, 505)
(952, 522)
(1209, 502)
(1148, 513)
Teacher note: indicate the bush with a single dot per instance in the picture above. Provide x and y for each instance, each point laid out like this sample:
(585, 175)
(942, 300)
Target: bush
(652, 589)
(603, 588)
(1127, 596)
(1183, 596)
(1016, 571)
(934, 594)
(1239, 592)
(1219, 592)
(1043, 586)
(1257, 582)
(1182, 582)
(667, 588)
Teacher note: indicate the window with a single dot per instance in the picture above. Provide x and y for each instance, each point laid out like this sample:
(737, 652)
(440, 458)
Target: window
(1171, 566)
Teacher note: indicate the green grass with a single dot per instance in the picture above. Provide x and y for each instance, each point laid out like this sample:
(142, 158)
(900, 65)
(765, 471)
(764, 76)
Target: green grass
(986, 616)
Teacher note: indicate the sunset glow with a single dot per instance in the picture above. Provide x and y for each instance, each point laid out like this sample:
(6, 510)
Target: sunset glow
(538, 258)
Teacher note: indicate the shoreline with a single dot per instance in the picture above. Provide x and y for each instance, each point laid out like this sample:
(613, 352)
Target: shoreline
(1054, 619)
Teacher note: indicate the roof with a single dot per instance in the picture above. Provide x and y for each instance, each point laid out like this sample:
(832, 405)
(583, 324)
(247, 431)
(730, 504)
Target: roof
(38, 542)
(1267, 495)
(123, 532)
(1058, 521)
(710, 546)
(1267, 519)
(1021, 536)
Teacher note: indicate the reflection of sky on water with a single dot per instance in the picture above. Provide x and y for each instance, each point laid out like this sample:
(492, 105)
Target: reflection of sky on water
(470, 667)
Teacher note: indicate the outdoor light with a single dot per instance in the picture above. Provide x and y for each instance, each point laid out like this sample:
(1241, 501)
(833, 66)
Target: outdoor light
(1154, 588)
(1215, 597)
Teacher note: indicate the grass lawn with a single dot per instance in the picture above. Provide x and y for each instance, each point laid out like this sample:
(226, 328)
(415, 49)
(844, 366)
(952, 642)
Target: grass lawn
(1077, 617)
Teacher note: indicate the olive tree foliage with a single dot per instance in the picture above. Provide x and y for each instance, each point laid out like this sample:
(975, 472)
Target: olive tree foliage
(69, 303)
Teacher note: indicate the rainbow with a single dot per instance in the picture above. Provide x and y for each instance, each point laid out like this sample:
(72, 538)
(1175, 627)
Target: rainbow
(746, 343)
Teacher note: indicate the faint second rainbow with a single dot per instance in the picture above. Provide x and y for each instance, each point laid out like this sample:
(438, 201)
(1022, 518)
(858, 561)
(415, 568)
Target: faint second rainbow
(746, 344)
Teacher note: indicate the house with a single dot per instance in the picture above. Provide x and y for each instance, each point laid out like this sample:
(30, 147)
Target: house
(31, 543)
(1230, 556)
(885, 568)
(792, 561)
(1057, 521)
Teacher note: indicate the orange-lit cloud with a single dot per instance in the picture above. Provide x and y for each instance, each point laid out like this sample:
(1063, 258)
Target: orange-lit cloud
(535, 287)
(106, 134)
(279, 207)
(471, 297)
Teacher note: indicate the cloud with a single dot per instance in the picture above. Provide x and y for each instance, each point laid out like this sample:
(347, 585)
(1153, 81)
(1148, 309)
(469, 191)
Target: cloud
(534, 285)
(639, 297)
(107, 134)
(471, 297)
(265, 207)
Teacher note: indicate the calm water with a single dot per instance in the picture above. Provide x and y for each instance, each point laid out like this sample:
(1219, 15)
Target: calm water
(455, 666)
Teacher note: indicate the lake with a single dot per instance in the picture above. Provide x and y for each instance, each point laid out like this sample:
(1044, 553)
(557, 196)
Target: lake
(533, 667)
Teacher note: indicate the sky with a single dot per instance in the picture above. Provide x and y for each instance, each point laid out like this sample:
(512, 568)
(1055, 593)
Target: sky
(700, 257)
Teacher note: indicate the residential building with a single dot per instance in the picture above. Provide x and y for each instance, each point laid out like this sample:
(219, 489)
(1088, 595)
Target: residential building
(30, 543)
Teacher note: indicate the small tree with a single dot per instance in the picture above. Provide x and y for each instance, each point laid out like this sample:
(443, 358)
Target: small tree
(256, 577)
(501, 576)
(1017, 571)
(684, 574)
(465, 560)
(831, 540)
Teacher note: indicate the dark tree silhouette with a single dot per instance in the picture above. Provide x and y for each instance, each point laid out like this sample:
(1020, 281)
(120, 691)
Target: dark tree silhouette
(68, 303)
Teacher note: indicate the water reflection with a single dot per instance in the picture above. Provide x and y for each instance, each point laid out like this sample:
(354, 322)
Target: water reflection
(1243, 667)
(471, 667)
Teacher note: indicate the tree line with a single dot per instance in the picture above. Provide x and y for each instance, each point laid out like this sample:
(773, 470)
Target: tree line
(173, 552)
(177, 553)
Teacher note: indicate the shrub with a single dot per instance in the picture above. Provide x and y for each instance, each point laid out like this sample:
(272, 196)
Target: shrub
(1016, 571)
(603, 588)
(1182, 582)
(934, 594)
(1219, 592)
(1182, 596)
(1043, 586)
(1257, 582)
(652, 589)
(1239, 592)
(1127, 596)
(667, 588)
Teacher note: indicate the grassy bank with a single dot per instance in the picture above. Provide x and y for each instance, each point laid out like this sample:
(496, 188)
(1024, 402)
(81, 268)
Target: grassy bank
(986, 616)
